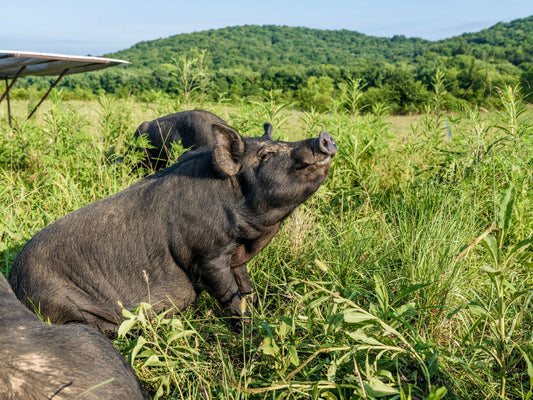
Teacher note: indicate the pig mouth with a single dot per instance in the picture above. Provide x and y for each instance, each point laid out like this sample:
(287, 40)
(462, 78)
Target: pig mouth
(326, 161)
(318, 161)
(314, 164)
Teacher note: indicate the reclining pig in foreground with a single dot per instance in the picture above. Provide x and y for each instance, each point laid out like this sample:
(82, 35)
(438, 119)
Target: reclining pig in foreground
(191, 128)
(185, 229)
(39, 361)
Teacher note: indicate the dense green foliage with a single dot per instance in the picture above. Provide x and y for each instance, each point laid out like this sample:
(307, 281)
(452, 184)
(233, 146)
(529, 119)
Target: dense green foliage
(312, 67)
(406, 276)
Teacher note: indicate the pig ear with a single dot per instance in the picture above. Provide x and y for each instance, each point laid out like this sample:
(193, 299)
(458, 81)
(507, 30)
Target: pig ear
(268, 131)
(228, 149)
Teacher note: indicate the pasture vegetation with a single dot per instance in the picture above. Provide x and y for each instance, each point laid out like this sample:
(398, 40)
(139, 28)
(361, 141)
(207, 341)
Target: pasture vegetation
(406, 276)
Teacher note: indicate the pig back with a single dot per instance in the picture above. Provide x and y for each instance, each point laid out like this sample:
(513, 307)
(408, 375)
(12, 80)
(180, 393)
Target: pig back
(60, 362)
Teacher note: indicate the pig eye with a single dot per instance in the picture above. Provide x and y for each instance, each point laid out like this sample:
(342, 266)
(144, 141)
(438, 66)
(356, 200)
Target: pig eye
(265, 155)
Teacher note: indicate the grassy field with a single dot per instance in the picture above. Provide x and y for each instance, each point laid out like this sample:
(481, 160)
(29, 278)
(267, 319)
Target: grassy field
(408, 275)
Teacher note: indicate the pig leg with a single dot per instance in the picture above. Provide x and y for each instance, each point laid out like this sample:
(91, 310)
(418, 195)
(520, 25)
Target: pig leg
(243, 281)
(220, 282)
(244, 253)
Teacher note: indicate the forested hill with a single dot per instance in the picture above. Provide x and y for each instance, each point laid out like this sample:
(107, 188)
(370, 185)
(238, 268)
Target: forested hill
(511, 42)
(258, 47)
(319, 68)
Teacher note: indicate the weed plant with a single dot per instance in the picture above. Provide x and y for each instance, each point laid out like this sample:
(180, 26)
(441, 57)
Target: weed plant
(406, 276)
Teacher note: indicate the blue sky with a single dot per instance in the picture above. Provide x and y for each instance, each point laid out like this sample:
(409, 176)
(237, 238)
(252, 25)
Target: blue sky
(97, 27)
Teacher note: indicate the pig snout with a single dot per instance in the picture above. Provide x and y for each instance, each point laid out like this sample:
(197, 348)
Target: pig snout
(326, 144)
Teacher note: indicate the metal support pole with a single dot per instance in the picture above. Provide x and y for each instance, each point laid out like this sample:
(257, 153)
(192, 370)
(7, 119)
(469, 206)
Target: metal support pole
(47, 93)
(8, 106)
(8, 88)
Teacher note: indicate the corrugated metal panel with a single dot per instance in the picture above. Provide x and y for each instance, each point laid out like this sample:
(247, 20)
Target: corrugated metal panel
(42, 64)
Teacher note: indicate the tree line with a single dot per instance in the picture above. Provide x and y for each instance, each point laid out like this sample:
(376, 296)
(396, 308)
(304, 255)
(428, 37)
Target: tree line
(315, 69)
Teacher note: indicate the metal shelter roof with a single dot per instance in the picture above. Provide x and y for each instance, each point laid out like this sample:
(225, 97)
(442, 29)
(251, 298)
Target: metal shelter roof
(41, 64)
(14, 64)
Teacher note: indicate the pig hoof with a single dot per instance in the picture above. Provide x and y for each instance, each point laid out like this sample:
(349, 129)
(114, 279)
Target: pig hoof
(238, 323)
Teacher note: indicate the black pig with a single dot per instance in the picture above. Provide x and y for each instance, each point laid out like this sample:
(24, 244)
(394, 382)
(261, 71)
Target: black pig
(40, 361)
(193, 128)
(187, 228)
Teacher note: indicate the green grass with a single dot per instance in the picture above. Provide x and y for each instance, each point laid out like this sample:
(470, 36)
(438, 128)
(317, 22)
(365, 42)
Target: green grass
(406, 276)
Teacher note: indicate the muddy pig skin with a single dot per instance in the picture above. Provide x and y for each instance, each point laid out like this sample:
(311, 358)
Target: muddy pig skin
(40, 361)
(192, 128)
(187, 228)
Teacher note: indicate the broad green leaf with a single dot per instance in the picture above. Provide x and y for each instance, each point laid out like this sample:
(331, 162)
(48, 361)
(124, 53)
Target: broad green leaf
(381, 291)
(269, 347)
(126, 326)
(437, 394)
(506, 208)
(361, 337)
(145, 306)
(147, 353)
(478, 309)
(127, 313)
(391, 330)
(380, 389)
(318, 301)
(141, 341)
(405, 308)
(355, 317)
(178, 335)
(164, 387)
(295, 360)
(491, 271)
(159, 393)
(284, 329)
(153, 361)
(495, 275)
(491, 244)
(386, 374)
(176, 323)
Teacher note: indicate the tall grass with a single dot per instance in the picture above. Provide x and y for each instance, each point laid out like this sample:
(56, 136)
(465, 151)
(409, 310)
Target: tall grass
(406, 276)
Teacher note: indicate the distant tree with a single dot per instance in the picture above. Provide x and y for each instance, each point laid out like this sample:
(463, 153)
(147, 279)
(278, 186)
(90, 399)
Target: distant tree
(317, 93)
(402, 91)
